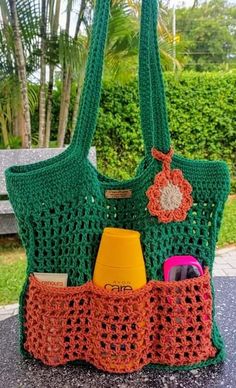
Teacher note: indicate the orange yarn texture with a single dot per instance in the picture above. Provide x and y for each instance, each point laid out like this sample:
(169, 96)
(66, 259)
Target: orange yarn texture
(167, 323)
(170, 196)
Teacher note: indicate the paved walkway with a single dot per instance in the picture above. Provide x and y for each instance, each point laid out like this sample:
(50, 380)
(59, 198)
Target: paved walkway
(8, 311)
(224, 265)
(225, 262)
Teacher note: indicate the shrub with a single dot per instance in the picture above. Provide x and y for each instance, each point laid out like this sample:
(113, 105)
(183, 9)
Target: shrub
(202, 117)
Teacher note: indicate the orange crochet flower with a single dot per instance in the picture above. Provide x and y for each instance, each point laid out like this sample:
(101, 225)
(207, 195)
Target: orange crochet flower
(170, 195)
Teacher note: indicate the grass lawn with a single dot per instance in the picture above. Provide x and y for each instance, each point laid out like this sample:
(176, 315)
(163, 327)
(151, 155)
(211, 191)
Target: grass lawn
(13, 261)
(228, 228)
(12, 273)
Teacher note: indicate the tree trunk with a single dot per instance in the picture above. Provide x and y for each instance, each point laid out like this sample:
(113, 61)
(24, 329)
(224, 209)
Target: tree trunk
(15, 123)
(21, 69)
(75, 110)
(55, 22)
(42, 94)
(21, 125)
(49, 106)
(3, 125)
(5, 23)
(54, 30)
(78, 92)
(80, 17)
(64, 91)
(67, 80)
(64, 108)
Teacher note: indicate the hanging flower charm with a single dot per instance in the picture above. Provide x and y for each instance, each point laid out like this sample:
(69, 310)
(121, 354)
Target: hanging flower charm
(170, 195)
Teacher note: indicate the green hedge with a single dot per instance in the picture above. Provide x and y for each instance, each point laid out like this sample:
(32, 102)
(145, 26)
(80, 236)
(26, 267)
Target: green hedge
(202, 116)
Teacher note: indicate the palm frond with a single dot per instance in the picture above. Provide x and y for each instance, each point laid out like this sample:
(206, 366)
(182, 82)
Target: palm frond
(33, 97)
(71, 51)
(123, 39)
(29, 20)
(6, 60)
(28, 15)
(51, 5)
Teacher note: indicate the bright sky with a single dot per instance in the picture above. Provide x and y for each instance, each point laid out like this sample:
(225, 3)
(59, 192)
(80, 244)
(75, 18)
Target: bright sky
(74, 15)
(178, 3)
(189, 3)
(77, 5)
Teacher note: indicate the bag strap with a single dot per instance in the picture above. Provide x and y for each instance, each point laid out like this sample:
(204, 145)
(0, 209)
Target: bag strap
(154, 112)
(161, 127)
(151, 89)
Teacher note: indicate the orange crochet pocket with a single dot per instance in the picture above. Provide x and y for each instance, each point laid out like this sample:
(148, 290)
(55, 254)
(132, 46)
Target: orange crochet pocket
(181, 315)
(163, 322)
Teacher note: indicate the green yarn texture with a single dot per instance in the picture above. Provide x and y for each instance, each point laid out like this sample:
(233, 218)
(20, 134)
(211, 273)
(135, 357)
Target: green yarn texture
(60, 203)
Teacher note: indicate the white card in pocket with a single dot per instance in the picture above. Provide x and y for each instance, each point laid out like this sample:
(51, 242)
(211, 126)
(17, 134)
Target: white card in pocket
(52, 279)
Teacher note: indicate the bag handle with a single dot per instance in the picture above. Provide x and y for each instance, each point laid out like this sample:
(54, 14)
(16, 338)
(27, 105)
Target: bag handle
(161, 131)
(154, 112)
(151, 89)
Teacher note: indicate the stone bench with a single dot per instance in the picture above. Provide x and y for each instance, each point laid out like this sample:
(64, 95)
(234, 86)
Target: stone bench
(8, 224)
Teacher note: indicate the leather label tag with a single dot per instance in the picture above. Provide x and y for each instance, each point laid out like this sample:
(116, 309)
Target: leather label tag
(118, 194)
(52, 279)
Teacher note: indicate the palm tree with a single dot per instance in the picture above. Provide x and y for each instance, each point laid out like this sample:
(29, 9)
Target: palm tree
(59, 50)
(121, 57)
(21, 70)
(68, 71)
(54, 14)
(3, 122)
(42, 95)
(122, 44)
(18, 47)
(78, 79)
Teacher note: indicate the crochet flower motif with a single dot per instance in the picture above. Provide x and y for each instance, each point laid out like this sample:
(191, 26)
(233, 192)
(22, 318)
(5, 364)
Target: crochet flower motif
(170, 195)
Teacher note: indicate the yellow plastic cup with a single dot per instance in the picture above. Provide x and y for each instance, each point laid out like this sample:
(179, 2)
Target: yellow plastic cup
(120, 264)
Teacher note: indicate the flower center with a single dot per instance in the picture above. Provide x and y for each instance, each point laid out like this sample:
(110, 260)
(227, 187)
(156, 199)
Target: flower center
(171, 197)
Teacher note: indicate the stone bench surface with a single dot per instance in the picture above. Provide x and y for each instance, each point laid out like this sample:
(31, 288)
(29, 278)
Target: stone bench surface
(27, 156)
(5, 207)
(15, 371)
(9, 158)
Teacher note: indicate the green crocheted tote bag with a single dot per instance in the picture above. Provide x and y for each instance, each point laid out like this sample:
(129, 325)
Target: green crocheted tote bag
(62, 206)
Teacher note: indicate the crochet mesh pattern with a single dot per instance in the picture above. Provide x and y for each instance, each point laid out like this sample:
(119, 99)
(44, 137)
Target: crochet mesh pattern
(164, 322)
(61, 210)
